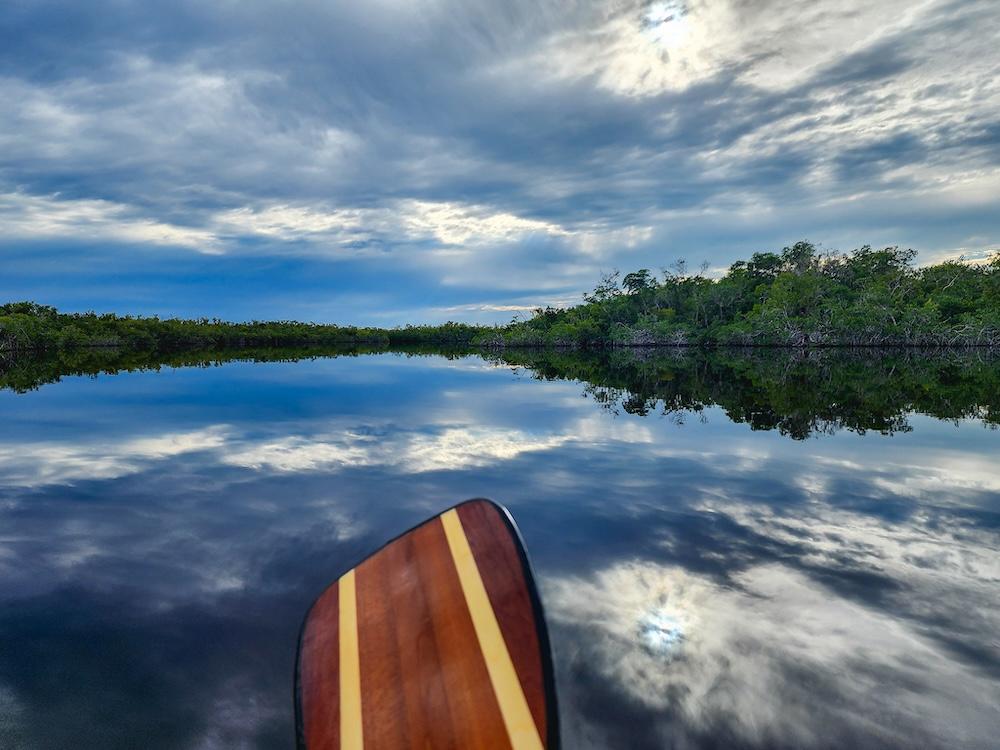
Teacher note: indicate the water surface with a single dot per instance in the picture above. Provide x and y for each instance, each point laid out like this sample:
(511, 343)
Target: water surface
(732, 552)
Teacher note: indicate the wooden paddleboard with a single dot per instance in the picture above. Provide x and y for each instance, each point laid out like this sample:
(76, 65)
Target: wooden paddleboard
(435, 641)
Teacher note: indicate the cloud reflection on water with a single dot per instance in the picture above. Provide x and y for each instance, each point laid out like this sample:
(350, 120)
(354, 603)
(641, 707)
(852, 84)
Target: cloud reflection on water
(769, 659)
(707, 585)
(31, 464)
(448, 449)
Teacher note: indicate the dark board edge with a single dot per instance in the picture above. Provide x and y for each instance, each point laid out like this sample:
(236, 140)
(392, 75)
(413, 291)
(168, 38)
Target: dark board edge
(541, 626)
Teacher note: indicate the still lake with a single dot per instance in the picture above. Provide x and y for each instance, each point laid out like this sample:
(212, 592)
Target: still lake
(813, 574)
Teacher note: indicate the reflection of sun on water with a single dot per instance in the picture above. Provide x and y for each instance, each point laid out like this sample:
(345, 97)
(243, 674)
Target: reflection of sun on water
(662, 632)
(652, 619)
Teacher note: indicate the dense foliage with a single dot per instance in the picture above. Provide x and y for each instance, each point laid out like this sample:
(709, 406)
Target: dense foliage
(29, 326)
(26, 325)
(798, 297)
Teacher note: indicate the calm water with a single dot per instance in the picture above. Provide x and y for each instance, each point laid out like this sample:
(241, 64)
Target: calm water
(707, 584)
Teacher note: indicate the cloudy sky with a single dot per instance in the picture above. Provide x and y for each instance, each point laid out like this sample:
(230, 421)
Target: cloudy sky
(395, 160)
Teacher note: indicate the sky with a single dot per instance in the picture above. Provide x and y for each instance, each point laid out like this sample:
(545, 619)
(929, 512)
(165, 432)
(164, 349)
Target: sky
(394, 161)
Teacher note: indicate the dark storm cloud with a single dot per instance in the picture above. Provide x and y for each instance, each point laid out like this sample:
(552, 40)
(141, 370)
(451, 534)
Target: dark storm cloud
(881, 61)
(563, 113)
(876, 157)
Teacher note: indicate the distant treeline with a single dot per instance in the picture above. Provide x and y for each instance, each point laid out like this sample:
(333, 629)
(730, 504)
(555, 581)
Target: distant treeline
(798, 297)
(26, 326)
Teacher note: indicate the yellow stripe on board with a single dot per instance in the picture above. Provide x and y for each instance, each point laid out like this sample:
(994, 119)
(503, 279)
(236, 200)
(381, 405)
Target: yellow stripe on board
(351, 734)
(510, 695)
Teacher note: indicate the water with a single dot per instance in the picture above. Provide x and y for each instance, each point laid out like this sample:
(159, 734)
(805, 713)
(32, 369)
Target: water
(708, 584)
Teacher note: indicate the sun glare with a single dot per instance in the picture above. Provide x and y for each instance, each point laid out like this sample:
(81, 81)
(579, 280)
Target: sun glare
(665, 23)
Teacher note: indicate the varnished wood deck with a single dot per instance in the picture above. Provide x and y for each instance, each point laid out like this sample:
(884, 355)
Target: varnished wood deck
(435, 641)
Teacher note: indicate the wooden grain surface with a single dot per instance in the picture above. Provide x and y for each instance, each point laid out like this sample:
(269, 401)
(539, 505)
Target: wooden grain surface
(319, 672)
(500, 566)
(430, 675)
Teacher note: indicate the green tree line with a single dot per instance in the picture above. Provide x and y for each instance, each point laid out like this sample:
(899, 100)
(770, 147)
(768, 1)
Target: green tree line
(797, 297)
(27, 326)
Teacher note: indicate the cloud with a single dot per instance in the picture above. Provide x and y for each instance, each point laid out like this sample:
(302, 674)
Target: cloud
(406, 223)
(490, 149)
(44, 217)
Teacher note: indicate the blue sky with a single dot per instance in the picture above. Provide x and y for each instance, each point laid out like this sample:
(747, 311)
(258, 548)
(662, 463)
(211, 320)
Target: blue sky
(401, 160)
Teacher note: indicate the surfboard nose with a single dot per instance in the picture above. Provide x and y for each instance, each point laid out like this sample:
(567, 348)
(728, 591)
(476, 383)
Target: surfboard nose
(437, 640)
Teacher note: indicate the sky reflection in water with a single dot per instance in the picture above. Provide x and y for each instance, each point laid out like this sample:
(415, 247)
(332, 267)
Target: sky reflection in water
(163, 534)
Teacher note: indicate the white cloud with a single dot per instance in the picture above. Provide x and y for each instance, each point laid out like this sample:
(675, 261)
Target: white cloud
(647, 47)
(528, 147)
(404, 222)
(33, 217)
(457, 224)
